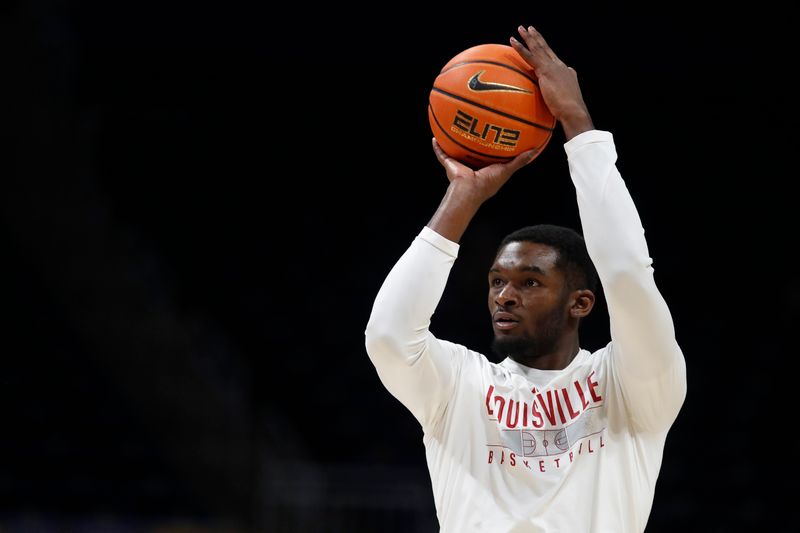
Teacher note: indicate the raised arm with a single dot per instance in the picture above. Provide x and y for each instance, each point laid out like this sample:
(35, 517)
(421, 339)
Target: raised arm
(646, 357)
(418, 369)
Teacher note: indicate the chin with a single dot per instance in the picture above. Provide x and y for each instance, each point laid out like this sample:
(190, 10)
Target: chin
(507, 344)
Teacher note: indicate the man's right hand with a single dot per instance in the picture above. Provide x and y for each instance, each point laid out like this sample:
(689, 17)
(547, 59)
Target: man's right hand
(557, 82)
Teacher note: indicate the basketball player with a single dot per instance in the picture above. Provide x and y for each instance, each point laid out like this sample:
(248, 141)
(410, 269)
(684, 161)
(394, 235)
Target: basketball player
(553, 437)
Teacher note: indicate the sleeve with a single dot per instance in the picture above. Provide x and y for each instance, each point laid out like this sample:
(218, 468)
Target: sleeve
(414, 366)
(646, 359)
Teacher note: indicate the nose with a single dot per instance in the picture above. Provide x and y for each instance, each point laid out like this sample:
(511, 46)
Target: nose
(506, 297)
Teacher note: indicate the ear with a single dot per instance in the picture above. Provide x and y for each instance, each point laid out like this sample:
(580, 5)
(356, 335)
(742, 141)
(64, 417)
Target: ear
(582, 303)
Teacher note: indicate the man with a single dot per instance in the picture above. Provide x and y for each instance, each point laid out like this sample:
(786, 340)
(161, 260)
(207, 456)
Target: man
(553, 438)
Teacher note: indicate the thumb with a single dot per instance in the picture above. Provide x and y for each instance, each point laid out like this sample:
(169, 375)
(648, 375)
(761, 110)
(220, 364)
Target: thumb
(522, 159)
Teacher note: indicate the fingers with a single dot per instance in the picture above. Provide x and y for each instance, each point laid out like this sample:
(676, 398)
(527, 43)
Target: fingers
(520, 48)
(450, 165)
(535, 41)
(521, 160)
(512, 166)
(440, 155)
(536, 48)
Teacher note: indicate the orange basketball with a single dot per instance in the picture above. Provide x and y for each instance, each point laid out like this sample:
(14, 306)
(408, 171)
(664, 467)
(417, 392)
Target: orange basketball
(485, 107)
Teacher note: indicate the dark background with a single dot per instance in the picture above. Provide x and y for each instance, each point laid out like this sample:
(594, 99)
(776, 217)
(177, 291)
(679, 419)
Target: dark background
(203, 199)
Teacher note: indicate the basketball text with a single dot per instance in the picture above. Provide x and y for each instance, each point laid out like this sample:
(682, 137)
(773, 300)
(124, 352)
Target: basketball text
(485, 134)
(551, 408)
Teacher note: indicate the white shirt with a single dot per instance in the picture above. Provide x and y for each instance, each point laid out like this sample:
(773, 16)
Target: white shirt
(516, 449)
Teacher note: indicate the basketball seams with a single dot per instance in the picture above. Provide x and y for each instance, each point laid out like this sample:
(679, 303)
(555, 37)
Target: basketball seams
(489, 62)
(470, 112)
(544, 142)
(467, 148)
(492, 110)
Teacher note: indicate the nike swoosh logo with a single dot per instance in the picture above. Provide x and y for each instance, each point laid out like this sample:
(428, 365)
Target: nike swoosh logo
(476, 84)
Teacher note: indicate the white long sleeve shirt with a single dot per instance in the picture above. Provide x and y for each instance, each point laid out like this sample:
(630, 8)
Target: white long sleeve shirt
(516, 449)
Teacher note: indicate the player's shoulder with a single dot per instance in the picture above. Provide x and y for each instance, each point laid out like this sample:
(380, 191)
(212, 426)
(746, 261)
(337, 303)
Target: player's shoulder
(470, 358)
(597, 356)
(595, 359)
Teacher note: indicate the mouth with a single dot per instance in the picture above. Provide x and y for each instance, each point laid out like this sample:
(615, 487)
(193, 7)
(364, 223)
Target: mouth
(505, 321)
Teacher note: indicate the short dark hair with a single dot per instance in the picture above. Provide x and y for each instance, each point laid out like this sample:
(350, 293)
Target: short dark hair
(573, 258)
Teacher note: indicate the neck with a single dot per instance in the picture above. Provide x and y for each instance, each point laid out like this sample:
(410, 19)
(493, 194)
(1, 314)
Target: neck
(559, 359)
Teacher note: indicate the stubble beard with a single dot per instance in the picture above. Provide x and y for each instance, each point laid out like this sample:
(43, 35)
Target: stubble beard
(526, 348)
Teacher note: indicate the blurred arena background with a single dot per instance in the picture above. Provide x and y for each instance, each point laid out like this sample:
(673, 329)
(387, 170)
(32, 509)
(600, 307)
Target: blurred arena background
(203, 199)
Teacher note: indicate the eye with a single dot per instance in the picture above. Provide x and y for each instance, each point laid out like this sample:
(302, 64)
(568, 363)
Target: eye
(496, 282)
(531, 283)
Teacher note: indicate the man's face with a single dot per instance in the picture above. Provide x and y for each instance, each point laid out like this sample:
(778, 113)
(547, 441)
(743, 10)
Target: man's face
(528, 301)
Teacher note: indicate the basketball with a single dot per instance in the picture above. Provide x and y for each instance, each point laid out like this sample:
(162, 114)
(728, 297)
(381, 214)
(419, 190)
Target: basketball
(485, 107)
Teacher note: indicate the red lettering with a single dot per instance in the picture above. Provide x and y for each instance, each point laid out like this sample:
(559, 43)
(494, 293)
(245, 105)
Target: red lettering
(589, 445)
(502, 402)
(541, 465)
(570, 457)
(570, 410)
(524, 414)
(539, 421)
(580, 447)
(489, 397)
(525, 462)
(592, 386)
(513, 459)
(550, 414)
(491, 456)
(560, 411)
(508, 415)
(584, 402)
(601, 441)
(557, 459)
(502, 456)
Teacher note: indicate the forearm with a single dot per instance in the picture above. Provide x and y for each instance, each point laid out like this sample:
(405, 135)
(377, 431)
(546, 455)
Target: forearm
(610, 221)
(616, 243)
(456, 210)
(646, 354)
(576, 122)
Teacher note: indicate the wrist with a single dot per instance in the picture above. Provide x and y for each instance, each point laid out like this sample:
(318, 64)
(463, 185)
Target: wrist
(576, 123)
(465, 195)
(457, 208)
